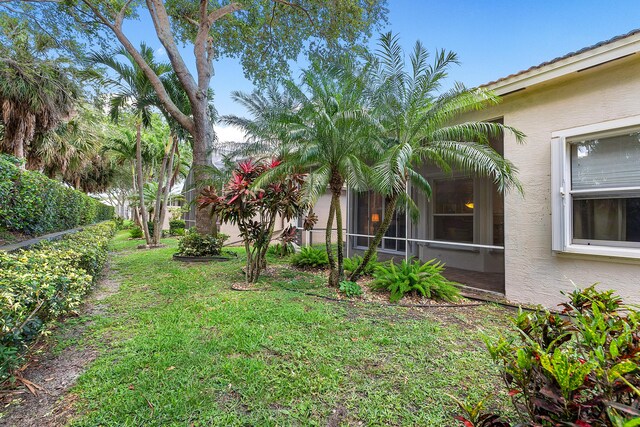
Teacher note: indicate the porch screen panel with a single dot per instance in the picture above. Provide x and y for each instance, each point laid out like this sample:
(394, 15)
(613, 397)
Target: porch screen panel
(370, 214)
(453, 210)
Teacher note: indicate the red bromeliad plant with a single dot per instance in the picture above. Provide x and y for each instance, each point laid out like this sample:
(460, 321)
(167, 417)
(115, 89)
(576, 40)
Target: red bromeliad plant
(255, 210)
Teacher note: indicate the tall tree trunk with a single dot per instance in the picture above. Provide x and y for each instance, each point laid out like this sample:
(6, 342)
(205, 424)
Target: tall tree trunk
(202, 143)
(340, 266)
(337, 269)
(143, 209)
(134, 210)
(377, 238)
(157, 225)
(167, 188)
(333, 272)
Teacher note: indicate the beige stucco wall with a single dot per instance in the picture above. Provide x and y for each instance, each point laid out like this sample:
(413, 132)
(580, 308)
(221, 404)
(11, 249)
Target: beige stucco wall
(321, 208)
(533, 273)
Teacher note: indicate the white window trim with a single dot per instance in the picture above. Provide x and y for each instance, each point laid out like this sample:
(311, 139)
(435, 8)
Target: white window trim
(561, 199)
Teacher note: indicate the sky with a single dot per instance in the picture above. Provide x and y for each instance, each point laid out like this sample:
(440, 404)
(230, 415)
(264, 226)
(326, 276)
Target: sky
(492, 38)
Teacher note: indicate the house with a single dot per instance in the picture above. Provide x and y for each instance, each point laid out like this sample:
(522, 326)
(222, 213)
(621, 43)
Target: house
(579, 219)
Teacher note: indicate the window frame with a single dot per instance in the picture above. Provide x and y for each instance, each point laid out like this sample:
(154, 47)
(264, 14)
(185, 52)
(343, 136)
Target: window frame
(563, 194)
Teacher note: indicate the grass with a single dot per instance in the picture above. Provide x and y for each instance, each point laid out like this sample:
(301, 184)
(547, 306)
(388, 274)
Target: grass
(179, 348)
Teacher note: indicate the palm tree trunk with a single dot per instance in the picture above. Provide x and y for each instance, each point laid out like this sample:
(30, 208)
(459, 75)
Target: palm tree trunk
(333, 272)
(134, 209)
(157, 224)
(143, 209)
(340, 266)
(373, 246)
(167, 189)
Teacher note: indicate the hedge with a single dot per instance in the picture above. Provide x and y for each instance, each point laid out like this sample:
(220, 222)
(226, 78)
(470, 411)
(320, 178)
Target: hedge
(33, 204)
(39, 285)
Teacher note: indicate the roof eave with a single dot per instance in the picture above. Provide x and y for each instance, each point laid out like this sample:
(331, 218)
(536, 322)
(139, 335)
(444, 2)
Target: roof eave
(570, 64)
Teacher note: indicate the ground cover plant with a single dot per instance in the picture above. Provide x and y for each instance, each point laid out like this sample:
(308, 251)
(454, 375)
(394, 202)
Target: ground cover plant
(179, 347)
(39, 285)
(415, 278)
(353, 263)
(579, 369)
(310, 257)
(350, 289)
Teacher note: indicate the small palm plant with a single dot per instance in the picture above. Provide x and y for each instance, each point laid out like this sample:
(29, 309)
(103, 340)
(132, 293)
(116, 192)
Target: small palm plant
(417, 128)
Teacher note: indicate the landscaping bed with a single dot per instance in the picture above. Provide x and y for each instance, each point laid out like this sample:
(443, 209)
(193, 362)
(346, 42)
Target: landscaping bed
(184, 349)
(44, 283)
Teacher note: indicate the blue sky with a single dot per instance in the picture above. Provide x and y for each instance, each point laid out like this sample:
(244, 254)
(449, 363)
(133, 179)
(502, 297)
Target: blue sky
(493, 38)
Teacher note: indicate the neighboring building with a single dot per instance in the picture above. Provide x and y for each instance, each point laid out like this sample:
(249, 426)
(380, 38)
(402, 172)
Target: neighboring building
(579, 220)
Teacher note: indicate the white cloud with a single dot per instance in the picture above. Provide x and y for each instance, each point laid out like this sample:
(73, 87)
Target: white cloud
(160, 52)
(229, 134)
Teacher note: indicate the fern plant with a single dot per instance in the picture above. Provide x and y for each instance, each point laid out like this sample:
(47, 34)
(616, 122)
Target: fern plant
(351, 264)
(416, 278)
(309, 257)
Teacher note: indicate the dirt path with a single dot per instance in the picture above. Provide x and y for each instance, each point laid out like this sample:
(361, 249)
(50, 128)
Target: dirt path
(56, 374)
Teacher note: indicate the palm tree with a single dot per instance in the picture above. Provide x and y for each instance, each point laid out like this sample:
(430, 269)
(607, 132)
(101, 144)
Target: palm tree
(173, 152)
(121, 149)
(329, 133)
(35, 97)
(133, 91)
(73, 152)
(417, 128)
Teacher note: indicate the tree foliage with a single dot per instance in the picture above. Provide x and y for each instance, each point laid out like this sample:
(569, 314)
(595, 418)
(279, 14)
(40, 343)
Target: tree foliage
(264, 34)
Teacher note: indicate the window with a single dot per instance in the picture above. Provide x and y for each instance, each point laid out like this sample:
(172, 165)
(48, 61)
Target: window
(453, 208)
(596, 180)
(369, 214)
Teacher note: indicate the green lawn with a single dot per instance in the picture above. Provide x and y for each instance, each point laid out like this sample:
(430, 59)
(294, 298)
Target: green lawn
(180, 348)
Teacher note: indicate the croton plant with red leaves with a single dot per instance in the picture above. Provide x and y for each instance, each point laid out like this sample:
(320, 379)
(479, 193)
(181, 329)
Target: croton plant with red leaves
(578, 368)
(255, 210)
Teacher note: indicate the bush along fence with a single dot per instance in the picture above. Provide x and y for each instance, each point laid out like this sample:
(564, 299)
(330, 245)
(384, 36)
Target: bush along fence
(40, 285)
(33, 204)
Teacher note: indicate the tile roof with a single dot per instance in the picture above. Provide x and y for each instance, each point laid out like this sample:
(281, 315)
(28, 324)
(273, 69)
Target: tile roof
(568, 55)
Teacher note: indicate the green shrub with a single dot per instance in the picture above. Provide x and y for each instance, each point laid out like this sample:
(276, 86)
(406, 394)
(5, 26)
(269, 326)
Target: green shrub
(150, 227)
(194, 244)
(351, 264)
(33, 204)
(176, 227)
(119, 222)
(350, 289)
(582, 368)
(136, 233)
(415, 278)
(44, 283)
(310, 257)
